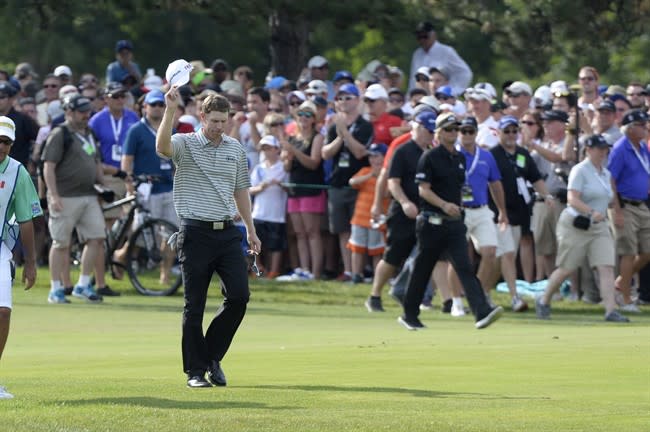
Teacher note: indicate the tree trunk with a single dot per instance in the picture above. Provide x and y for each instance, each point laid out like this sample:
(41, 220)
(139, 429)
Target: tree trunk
(289, 40)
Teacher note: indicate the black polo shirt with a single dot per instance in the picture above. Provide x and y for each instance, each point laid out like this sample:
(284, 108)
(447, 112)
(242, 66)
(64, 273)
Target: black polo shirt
(403, 166)
(445, 172)
(26, 131)
(512, 166)
(345, 164)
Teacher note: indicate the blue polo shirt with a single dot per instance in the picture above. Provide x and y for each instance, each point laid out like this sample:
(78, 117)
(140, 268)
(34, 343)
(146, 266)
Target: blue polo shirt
(110, 144)
(630, 176)
(485, 171)
(115, 72)
(140, 143)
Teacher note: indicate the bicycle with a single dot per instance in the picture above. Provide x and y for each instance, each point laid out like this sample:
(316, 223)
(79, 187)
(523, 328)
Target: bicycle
(150, 262)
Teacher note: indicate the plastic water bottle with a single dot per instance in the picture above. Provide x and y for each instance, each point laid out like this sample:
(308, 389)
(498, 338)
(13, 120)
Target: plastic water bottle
(377, 223)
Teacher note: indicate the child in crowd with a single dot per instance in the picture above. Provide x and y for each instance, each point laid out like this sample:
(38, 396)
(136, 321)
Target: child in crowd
(366, 237)
(270, 204)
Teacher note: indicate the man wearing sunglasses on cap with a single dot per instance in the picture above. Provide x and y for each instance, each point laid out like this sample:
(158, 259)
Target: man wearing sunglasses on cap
(440, 229)
(516, 167)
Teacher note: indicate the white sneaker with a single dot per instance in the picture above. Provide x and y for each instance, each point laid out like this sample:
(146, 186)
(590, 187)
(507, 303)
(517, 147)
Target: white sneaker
(4, 394)
(630, 307)
(293, 276)
(457, 310)
(518, 305)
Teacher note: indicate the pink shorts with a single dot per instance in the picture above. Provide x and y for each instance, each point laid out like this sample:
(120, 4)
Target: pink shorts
(307, 204)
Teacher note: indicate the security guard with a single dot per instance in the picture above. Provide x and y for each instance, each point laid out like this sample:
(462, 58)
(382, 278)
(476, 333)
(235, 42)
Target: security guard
(439, 227)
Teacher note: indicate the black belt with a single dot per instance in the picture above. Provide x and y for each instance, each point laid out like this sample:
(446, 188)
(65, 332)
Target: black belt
(634, 203)
(211, 225)
(474, 206)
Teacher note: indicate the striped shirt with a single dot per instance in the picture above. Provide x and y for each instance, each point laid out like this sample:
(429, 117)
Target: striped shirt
(207, 176)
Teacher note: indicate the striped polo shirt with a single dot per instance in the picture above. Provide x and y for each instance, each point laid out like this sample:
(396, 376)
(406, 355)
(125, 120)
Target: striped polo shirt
(207, 176)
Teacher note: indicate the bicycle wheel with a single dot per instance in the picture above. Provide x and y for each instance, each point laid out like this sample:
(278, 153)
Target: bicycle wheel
(151, 264)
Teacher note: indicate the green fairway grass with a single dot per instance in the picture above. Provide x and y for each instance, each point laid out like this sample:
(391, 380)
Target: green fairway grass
(308, 357)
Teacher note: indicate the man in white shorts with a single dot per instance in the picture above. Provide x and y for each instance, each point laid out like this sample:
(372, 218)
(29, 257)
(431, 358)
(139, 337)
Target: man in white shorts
(18, 196)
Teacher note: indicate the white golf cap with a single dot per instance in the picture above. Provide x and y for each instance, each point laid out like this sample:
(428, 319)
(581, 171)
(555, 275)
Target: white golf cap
(178, 72)
(316, 62)
(62, 70)
(7, 128)
(376, 91)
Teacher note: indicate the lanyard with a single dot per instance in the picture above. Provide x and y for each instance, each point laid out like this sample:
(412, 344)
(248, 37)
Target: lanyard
(474, 163)
(607, 186)
(117, 128)
(88, 143)
(643, 160)
(146, 123)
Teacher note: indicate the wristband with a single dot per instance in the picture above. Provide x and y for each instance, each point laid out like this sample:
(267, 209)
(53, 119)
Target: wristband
(120, 174)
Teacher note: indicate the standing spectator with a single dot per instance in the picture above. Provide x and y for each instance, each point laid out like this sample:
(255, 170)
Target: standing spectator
(319, 70)
(27, 106)
(347, 145)
(269, 206)
(440, 228)
(479, 100)
(432, 53)
(622, 106)
(111, 126)
(605, 122)
(220, 71)
(213, 166)
(302, 159)
(422, 79)
(51, 85)
(367, 237)
(384, 125)
(519, 96)
(635, 94)
(248, 128)
(590, 192)
(64, 73)
(19, 198)
(123, 66)
(244, 75)
(588, 79)
(630, 169)
(72, 167)
(26, 128)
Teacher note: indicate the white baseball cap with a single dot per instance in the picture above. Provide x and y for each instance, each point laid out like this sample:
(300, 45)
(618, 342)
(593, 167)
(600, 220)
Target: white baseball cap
(7, 128)
(316, 62)
(316, 87)
(178, 72)
(153, 82)
(62, 70)
(269, 140)
(376, 91)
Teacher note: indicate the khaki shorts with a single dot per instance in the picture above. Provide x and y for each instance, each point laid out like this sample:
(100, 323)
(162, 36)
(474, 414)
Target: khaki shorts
(118, 186)
(544, 225)
(634, 236)
(574, 244)
(82, 213)
(508, 240)
(481, 229)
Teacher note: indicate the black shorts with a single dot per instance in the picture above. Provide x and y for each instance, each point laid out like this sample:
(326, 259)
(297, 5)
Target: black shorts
(273, 235)
(400, 240)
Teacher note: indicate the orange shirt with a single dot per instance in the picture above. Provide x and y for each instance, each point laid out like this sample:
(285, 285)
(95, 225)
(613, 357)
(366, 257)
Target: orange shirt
(394, 145)
(365, 197)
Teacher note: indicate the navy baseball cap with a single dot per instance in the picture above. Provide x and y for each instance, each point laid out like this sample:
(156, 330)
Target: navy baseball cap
(469, 121)
(378, 148)
(154, 96)
(123, 45)
(349, 88)
(427, 119)
(78, 103)
(508, 121)
(596, 141)
(555, 115)
(343, 75)
(634, 116)
(607, 105)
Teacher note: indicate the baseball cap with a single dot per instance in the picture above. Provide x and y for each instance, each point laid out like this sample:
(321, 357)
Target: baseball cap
(123, 45)
(78, 103)
(350, 89)
(62, 70)
(378, 148)
(308, 106)
(7, 89)
(153, 82)
(559, 87)
(316, 87)
(634, 115)
(508, 121)
(430, 101)
(316, 62)
(422, 70)
(469, 121)
(477, 94)
(427, 119)
(320, 101)
(154, 96)
(519, 87)
(114, 88)
(343, 75)
(596, 141)
(275, 83)
(376, 91)
(178, 72)
(67, 90)
(420, 108)
(447, 119)
(444, 92)
(543, 96)
(617, 96)
(424, 27)
(607, 105)
(297, 94)
(269, 140)
(24, 70)
(555, 115)
(219, 64)
(7, 128)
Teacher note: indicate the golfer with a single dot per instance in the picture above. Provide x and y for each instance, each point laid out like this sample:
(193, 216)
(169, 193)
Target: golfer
(210, 187)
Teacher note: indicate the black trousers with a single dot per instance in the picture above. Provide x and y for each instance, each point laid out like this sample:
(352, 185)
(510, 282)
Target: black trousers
(201, 253)
(433, 240)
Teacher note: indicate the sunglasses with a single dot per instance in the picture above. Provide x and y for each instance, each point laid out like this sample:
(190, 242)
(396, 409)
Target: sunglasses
(369, 101)
(422, 79)
(118, 96)
(6, 142)
(50, 85)
(450, 129)
(470, 131)
(305, 114)
(528, 123)
(275, 110)
(252, 264)
(511, 131)
(587, 78)
(635, 94)
(157, 104)
(443, 97)
(396, 100)
(276, 124)
(344, 98)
